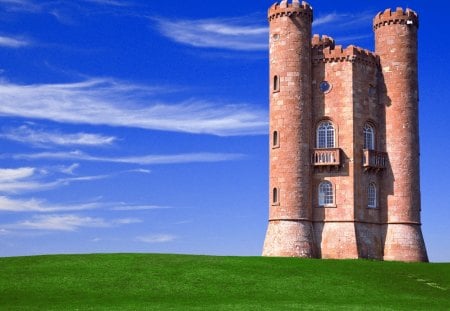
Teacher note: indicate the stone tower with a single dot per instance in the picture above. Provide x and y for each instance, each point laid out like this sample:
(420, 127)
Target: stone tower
(290, 231)
(344, 146)
(396, 45)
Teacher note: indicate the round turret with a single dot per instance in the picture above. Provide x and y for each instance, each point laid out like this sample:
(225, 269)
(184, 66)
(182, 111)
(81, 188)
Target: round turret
(396, 45)
(290, 231)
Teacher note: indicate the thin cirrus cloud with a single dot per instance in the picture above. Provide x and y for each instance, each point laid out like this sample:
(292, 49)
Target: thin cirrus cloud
(10, 42)
(21, 180)
(70, 222)
(142, 160)
(126, 207)
(156, 238)
(230, 34)
(41, 138)
(115, 103)
(34, 205)
(109, 2)
(240, 34)
(345, 27)
(10, 174)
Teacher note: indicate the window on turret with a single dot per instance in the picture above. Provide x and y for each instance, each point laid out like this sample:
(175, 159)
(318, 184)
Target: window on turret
(372, 196)
(275, 139)
(275, 196)
(325, 135)
(276, 83)
(369, 137)
(326, 194)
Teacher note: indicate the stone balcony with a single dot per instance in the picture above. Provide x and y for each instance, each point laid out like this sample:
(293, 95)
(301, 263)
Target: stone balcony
(374, 160)
(326, 157)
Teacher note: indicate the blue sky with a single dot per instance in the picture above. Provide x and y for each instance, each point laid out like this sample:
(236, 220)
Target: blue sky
(135, 126)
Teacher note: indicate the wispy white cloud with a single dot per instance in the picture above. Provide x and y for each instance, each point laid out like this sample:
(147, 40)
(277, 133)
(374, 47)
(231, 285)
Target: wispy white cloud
(344, 20)
(28, 135)
(127, 207)
(156, 238)
(114, 103)
(34, 205)
(142, 160)
(10, 42)
(345, 27)
(109, 2)
(67, 222)
(139, 170)
(126, 221)
(69, 170)
(13, 174)
(328, 19)
(220, 33)
(27, 179)
(41, 206)
(24, 181)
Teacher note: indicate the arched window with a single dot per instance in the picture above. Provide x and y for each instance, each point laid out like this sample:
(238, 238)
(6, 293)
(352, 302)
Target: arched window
(325, 135)
(276, 83)
(372, 196)
(275, 139)
(326, 195)
(275, 196)
(369, 137)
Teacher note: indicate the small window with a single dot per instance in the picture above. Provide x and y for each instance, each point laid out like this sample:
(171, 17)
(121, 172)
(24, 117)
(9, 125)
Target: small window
(276, 83)
(275, 196)
(326, 194)
(325, 135)
(369, 137)
(325, 87)
(372, 196)
(275, 139)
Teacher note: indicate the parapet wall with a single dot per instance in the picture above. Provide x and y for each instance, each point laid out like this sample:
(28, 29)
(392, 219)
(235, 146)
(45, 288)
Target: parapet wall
(399, 16)
(338, 54)
(288, 8)
(318, 42)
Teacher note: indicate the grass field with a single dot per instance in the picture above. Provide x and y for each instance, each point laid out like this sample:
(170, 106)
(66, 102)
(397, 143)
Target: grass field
(183, 282)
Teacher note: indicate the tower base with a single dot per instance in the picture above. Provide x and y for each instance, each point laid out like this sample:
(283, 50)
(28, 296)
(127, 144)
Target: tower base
(289, 238)
(336, 240)
(404, 242)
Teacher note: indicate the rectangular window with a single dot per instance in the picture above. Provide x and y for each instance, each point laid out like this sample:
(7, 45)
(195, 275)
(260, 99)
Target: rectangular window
(276, 83)
(275, 139)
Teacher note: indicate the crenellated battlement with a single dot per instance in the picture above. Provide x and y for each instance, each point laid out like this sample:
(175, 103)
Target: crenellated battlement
(318, 42)
(349, 54)
(399, 16)
(290, 8)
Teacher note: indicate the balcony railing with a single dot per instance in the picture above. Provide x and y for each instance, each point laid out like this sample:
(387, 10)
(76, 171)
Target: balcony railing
(373, 159)
(328, 156)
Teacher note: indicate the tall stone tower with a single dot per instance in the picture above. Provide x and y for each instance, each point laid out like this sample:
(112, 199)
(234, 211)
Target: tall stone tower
(344, 144)
(396, 45)
(290, 231)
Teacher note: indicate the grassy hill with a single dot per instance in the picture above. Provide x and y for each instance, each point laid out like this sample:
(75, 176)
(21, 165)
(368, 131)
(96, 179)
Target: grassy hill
(183, 282)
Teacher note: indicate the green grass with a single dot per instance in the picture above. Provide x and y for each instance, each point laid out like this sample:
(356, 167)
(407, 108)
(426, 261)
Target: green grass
(183, 282)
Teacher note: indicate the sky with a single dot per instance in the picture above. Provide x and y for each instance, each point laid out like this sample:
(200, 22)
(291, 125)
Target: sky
(142, 126)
